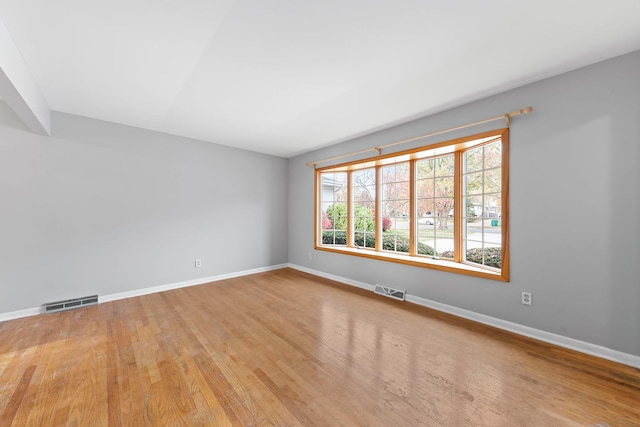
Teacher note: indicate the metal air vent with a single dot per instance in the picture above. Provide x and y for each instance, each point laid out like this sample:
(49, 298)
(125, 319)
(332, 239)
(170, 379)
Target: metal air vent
(390, 292)
(69, 304)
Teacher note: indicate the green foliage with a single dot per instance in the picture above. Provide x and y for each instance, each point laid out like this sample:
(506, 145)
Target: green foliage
(337, 213)
(390, 242)
(334, 238)
(363, 217)
(492, 256)
(362, 240)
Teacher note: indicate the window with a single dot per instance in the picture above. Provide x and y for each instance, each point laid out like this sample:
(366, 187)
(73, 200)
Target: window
(334, 208)
(442, 206)
(364, 207)
(435, 199)
(396, 205)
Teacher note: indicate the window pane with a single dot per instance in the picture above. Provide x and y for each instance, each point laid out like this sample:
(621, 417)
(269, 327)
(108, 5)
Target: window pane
(445, 165)
(389, 191)
(473, 160)
(333, 198)
(444, 208)
(434, 204)
(482, 230)
(389, 174)
(490, 256)
(443, 247)
(493, 155)
(425, 188)
(473, 183)
(493, 180)
(402, 172)
(395, 206)
(493, 208)
(425, 169)
(364, 201)
(473, 231)
(473, 207)
(337, 214)
(444, 187)
(426, 208)
(402, 189)
(493, 232)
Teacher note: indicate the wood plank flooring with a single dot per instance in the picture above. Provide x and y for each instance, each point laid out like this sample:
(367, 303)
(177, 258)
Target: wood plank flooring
(285, 348)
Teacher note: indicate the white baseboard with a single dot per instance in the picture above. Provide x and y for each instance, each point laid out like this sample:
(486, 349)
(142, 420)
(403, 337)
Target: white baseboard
(145, 291)
(20, 313)
(340, 279)
(187, 283)
(551, 338)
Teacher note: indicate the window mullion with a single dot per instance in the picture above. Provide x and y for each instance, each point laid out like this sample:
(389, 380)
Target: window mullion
(505, 205)
(317, 236)
(379, 214)
(350, 210)
(458, 216)
(413, 219)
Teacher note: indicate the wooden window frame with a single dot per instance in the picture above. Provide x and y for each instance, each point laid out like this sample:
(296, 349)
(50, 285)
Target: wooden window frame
(455, 265)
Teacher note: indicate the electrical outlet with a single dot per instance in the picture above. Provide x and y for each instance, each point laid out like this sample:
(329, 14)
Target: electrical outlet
(527, 298)
(310, 255)
(198, 263)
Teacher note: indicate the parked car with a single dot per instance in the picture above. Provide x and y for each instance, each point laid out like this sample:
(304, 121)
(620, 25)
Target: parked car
(427, 221)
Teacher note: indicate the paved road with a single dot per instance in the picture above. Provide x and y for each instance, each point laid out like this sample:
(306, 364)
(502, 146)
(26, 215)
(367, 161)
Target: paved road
(492, 235)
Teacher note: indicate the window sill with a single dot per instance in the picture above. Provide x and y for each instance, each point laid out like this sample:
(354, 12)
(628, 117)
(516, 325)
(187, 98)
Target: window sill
(435, 264)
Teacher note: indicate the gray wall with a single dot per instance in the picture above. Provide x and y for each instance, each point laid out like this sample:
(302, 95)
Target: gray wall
(104, 208)
(575, 209)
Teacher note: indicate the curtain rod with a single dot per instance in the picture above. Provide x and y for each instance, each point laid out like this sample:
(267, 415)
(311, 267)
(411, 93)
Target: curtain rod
(378, 149)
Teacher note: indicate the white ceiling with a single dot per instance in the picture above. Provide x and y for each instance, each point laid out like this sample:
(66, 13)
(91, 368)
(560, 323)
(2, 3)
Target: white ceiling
(287, 76)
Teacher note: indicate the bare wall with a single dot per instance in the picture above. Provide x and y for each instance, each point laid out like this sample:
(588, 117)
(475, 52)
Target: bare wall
(105, 208)
(575, 204)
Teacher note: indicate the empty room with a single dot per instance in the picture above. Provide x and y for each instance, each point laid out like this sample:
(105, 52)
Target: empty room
(343, 213)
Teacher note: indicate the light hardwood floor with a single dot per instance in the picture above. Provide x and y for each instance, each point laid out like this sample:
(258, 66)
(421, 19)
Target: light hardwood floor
(285, 348)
